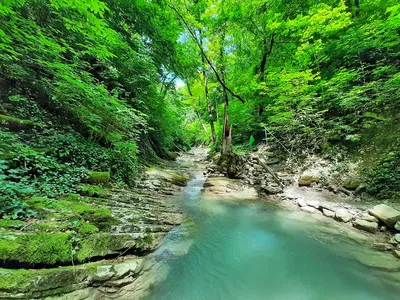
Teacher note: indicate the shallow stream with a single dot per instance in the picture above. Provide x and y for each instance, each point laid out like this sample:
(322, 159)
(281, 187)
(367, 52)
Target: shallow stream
(250, 250)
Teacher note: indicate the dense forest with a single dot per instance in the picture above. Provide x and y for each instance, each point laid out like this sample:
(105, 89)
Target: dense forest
(112, 86)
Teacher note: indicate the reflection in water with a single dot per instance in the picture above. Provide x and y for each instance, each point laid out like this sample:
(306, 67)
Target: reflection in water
(248, 251)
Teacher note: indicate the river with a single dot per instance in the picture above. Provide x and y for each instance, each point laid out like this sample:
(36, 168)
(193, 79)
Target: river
(253, 250)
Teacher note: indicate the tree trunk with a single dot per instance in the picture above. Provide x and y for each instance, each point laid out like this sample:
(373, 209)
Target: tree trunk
(227, 133)
(209, 106)
(357, 3)
(227, 130)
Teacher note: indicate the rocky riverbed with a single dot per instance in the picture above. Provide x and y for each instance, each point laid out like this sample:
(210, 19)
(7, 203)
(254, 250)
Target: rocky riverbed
(311, 190)
(105, 260)
(122, 261)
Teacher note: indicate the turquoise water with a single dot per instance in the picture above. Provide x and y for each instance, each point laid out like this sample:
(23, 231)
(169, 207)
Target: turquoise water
(250, 251)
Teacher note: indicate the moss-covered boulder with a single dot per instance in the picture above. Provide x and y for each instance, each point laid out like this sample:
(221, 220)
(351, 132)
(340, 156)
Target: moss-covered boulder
(98, 177)
(39, 248)
(103, 244)
(351, 184)
(92, 191)
(73, 207)
(168, 176)
(40, 283)
(308, 180)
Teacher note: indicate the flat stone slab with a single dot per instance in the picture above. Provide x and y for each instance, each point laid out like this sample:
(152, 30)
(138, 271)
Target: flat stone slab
(366, 225)
(343, 215)
(328, 213)
(309, 209)
(386, 214)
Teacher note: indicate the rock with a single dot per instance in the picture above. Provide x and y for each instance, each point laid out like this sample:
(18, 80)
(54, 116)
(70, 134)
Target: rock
(383, 246)
(351, 184)
(307, 180)
(369, 218)
(397, 237)
(103, 273)
(393, 241)
(309, 209)
(328, 213)
(273, 161)
(343, 215)
(313, 203)
(343, 190)
(301, 202)
(397, 226)
(98, 177)
(271, 189)
(386, 214)
(366, 225)
(396, 253)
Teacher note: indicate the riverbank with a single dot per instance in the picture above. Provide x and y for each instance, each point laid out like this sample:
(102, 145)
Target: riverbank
(104, 260)
(314, 191)
(150, 214)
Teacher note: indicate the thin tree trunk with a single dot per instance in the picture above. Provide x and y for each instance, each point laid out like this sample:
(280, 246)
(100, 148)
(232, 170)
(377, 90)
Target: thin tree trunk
(209, 106)
(227, 130)
(357, 3)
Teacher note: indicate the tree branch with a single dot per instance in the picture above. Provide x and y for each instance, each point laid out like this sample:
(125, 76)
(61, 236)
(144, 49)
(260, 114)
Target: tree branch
(266, 53)
(205, 56)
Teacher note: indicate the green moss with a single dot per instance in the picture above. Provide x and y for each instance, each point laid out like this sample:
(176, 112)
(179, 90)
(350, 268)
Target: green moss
(48, 227)
(86, 229)
(92, 190)
(15, 123)
(39, 203)
(351, 184)
(37, 248)
(43, 282)
(168, 176)
(71, 206)
(98, 177)
(100, 217)
(307, 180)
(13, 224)
(72, 197)
(95, 245)
(102, 244)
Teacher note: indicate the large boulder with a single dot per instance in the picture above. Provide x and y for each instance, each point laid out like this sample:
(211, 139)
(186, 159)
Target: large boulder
(386, 214)
(366, 225)
(98, 177)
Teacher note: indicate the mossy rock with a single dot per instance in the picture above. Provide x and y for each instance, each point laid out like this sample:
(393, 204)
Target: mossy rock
(168, 176)
(307, 180)
(16, 124)
(40, 248)
(352, 184)
(87, 229)
(12, 224)
(103, 244)
(47, 227)
(40, 283)
(98, 177)
(71, 207)
(92, 191)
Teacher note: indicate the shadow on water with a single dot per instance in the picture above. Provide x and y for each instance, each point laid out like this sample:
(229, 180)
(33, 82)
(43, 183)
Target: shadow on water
(252, 251)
